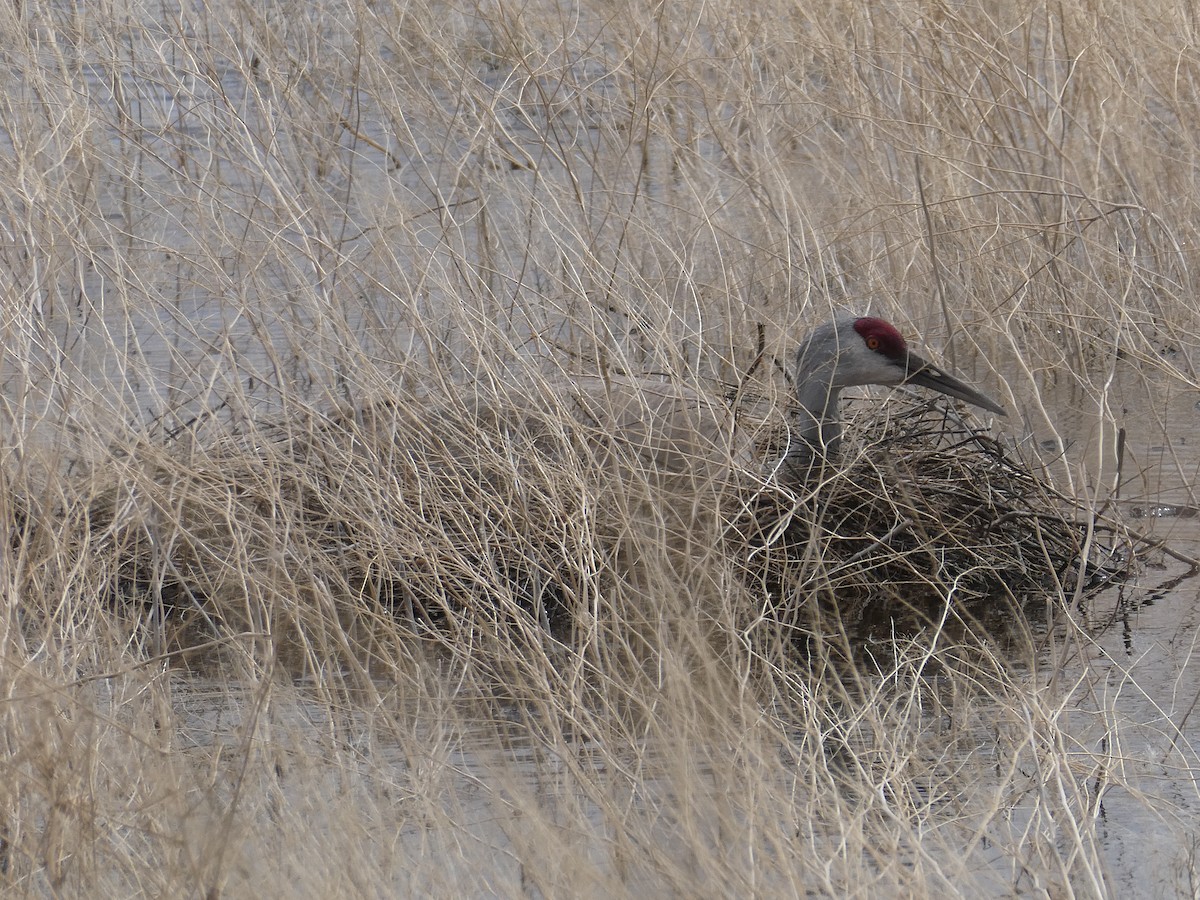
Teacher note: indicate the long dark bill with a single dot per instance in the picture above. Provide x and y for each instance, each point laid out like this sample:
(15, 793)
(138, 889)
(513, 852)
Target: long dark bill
(927, 375)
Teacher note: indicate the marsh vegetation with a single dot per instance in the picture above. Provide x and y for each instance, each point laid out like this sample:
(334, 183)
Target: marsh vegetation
(322, 576)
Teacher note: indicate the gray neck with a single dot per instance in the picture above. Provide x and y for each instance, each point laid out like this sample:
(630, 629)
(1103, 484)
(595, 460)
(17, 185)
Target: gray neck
(818, 433)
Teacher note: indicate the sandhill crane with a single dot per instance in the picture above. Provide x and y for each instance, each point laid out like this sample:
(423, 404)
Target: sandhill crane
(680, 431)
(860, 350)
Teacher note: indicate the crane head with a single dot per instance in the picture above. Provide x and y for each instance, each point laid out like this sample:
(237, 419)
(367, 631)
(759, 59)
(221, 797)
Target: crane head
(861, 350)
(894, 364)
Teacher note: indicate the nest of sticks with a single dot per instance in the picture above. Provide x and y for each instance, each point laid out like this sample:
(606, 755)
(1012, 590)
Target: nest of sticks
(924, 516)
(481, 519)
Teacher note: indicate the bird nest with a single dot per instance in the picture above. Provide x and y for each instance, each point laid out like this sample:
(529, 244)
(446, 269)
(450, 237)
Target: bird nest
(923, 518)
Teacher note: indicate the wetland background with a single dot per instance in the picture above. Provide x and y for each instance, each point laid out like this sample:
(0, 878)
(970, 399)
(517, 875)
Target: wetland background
(222, 222)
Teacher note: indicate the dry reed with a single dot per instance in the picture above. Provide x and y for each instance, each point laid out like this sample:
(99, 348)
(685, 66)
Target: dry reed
(315, 581)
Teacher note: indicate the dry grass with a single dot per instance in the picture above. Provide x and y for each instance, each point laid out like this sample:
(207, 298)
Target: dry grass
(347, 554)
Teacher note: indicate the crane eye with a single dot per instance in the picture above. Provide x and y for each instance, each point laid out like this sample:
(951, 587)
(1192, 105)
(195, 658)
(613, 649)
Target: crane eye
(872, 343)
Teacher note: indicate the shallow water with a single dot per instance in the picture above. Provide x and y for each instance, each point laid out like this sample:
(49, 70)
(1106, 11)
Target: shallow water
(1139, 673)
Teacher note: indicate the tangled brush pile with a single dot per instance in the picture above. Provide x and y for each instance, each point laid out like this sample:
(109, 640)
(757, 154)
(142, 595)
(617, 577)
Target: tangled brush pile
(924, 517)
(474, 521)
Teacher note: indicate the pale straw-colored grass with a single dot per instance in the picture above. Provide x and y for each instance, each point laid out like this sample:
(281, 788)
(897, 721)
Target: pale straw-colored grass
(348, 555)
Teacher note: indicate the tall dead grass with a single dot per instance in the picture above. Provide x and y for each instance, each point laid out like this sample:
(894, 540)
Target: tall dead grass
(323, 577)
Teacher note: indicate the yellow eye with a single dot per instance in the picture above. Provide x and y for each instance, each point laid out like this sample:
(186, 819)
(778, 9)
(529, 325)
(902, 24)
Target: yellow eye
(872, 343)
